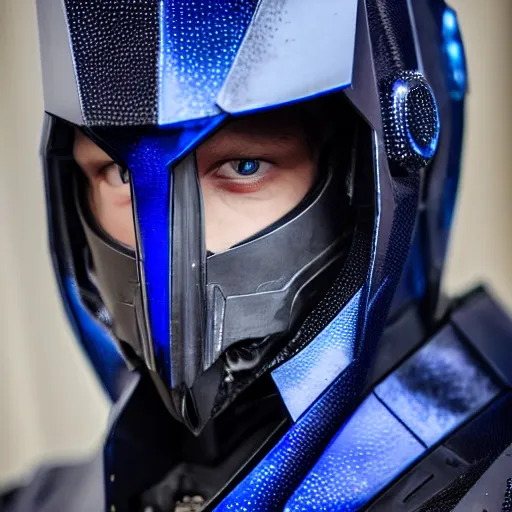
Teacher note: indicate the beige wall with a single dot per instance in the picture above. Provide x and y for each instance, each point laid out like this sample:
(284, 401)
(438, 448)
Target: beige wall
(50, 406)
(482, 243)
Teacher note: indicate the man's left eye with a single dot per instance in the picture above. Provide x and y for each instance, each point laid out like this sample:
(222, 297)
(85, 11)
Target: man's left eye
(246, 167)
(239, 169)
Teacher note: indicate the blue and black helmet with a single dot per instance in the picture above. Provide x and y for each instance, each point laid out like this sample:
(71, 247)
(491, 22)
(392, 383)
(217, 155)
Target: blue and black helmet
(301, 304)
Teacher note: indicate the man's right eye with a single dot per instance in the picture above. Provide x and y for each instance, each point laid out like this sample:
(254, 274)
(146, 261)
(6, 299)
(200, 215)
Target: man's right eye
(116, 176)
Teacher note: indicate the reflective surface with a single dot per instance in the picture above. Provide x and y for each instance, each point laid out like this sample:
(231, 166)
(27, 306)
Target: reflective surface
(303, 378)
(198, 43)
(438, 388)
(371, 449)
(279, 62)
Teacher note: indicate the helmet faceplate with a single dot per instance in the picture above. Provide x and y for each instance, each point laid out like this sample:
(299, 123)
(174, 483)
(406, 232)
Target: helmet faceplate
(148, 81)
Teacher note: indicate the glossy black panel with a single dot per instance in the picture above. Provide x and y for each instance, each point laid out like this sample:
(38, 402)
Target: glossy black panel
(438, 388)
(485, 325)
(392, 36)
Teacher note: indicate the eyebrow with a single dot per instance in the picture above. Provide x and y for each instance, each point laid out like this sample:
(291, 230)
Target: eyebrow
(258, 139)
(237, 142)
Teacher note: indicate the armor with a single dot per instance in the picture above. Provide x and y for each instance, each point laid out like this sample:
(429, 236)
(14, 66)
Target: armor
(315, 364)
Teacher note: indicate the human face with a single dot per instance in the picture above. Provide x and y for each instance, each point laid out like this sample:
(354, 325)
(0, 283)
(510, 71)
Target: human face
(252, 172)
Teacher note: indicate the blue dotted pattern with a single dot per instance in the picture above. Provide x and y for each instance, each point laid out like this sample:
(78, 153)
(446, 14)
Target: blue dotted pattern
(269, 485)
(423, 123)
(367, 453)
(199, 42)
(438, 388)
(142, 62)
(411, 120)
(432, 393)
(291, 53)
(303, 378)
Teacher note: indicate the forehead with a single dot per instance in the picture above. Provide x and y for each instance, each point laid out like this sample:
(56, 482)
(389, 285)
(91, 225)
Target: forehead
(283, 122)
(267, 128)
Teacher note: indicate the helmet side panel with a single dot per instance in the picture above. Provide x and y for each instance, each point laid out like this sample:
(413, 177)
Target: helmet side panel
(61, 96)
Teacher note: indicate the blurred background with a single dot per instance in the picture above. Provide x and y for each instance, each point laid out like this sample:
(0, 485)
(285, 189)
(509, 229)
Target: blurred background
(51, 407)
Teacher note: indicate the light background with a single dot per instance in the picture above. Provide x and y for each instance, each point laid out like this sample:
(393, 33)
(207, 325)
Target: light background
(50, 405)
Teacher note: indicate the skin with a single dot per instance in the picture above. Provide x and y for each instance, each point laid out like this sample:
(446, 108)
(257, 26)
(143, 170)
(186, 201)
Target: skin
(236, 206)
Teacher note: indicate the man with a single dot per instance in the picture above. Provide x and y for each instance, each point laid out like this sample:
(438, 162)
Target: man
(249, 206)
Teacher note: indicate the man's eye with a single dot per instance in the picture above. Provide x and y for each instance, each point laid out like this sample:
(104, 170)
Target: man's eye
(246, 167)
(236, 169)
(116, 176)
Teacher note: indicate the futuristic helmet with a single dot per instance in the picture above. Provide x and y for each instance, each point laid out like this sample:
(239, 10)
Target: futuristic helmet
(304, 301)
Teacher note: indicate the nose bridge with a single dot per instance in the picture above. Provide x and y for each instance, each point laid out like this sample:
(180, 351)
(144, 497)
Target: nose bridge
(188, 275)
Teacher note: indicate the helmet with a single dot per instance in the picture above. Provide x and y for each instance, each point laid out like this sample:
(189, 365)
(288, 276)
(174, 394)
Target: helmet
(300, 304)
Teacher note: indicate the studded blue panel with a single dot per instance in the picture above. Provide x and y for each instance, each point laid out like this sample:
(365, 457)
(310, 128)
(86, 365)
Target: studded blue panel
(115, 47)
(148, 157)
(292, 51)
(270, 484)
(199, 42)
(367, 453)
(438, 388)
(303, 378)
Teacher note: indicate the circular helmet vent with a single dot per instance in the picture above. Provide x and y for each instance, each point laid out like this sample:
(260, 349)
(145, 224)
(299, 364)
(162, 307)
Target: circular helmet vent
(411, 120)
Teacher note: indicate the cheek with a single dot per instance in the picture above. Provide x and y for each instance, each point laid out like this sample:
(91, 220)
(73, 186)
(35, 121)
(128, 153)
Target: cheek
(231, 217)
(113, 212)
